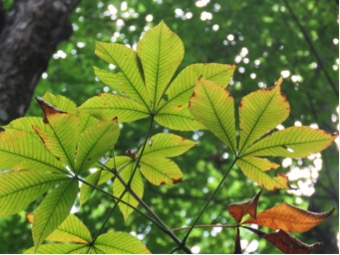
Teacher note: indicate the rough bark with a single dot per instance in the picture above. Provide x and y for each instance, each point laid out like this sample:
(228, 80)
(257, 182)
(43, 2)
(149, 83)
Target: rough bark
(29, 35)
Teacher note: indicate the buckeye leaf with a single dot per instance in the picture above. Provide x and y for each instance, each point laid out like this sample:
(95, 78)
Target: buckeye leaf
(86, 190)
(53, 210)
(20, 150)
(160, 171)
(108, 106)
(256, 170)
(297, 142)
(129, 81)
(180, 90)
(239, 210)
(26, 124)
(260, 112)
(19, 188)
(60, 102)
(289, 244)
(289, 218)
(137, 185)
(60, 248)
(160, 51)
(120, 243)
(167, 145)
(212, 105)
(71, 230)
(94, 142)
(61, 139)
(177, 118)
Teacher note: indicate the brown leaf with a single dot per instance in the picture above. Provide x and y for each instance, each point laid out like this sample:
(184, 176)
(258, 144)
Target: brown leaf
(289, 244)
(239, 210)
(47, 108)
(289, 218)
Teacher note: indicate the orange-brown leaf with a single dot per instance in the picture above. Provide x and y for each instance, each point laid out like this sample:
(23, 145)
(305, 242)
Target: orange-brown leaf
(289, 244)
(47, 108)
(289, 218)
(29, 217)
(239, 210)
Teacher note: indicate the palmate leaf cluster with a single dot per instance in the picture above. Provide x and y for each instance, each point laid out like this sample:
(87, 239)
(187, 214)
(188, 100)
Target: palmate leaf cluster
(55, 154)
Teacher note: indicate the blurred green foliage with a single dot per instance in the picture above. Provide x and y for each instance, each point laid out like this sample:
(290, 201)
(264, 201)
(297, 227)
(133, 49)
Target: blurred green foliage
(264, 41)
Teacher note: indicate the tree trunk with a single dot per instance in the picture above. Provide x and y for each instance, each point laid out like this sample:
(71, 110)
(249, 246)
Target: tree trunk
(29, 35)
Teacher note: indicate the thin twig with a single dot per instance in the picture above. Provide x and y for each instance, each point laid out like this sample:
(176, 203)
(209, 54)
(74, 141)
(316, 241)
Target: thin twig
(209, 200)
(312, 48)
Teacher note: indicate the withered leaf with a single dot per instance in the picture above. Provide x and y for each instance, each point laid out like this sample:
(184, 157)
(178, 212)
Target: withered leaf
(47, 108)
(237, 248)
(239, 210)
(289, 218)
(289, 244)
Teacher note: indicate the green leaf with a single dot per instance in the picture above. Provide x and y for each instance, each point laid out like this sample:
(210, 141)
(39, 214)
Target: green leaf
(20, 150)
(60, 102)
(137, 185)
(71, 230)
(260, 112)
(212, 105)
(160, 51)
(160, 171)
(26, 124)
(120, 243)
(180, 90)
(86, 121)
(65, 248)
(256, 168)
(177, 118)
(167, 145)
(130, 80)
(53, 210)
(108, 106)
(19, 188)
(297, 142)
(86, 190)
(62, 138)
(94, 142)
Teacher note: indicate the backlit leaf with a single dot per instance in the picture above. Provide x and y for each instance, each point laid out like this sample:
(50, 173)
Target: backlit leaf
(108, 106)
(180, 90)
(26, 124)
(86, 190)
(20, 150)
(94, 142)
(289, 218)
(71, 230)
(60, 102)
(53, 210)
(58, 248)
(160, 171)
(160, 51)
(120, 243)
(19, 188)
(61, 139)
(256, 168)
(130, 80)
(239, 210)
(167, 145)
(294, 142)
(177, 118)
(137, 186)
(212, 105)
(289, 244)
(260, 112)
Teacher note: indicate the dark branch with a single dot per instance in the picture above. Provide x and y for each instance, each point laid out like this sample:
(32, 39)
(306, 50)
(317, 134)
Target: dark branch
(312, 48)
